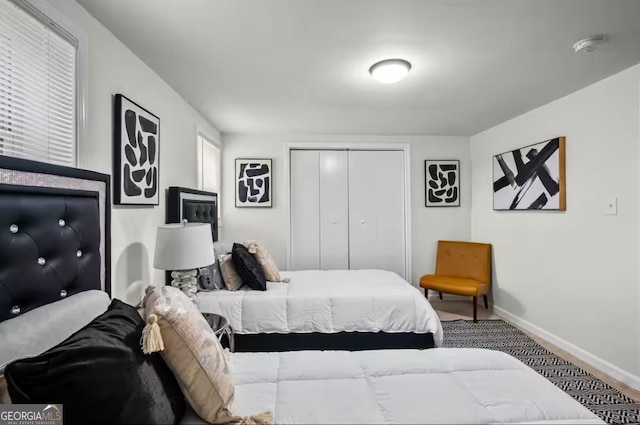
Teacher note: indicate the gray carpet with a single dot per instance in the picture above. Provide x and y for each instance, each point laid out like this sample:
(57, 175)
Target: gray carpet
(602, 399)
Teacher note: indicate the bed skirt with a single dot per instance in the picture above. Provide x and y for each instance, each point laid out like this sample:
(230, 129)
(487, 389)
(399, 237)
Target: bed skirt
(351, 341)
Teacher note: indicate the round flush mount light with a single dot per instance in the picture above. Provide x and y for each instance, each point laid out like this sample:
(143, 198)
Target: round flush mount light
(390, 71)
(589, 44)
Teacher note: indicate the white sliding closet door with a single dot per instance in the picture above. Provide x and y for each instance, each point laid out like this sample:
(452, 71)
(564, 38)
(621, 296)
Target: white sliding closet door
(305, 210)
(376, 210)
(334, 210)
(347, 210)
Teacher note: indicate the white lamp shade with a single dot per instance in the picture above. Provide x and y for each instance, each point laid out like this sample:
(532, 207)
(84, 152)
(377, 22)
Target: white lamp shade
(184, 246)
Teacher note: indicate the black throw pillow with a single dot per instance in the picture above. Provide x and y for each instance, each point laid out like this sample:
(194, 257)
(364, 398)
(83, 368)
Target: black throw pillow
(248, 268)
(100, 375)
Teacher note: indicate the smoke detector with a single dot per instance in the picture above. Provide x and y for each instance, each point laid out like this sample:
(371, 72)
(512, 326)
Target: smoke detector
(589, 44)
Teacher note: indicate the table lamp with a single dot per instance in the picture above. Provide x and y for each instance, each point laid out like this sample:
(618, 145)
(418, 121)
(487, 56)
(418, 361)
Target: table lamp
(183, 248)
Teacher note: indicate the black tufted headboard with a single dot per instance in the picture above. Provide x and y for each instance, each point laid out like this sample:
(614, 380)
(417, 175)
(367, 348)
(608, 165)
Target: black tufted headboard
(195, 206)
(54, 234)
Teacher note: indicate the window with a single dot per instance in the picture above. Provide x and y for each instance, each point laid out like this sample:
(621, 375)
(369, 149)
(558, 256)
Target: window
(208, 166)
(38, 86)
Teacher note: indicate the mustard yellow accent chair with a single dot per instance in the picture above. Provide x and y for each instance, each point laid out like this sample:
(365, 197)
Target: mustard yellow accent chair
(462, 268)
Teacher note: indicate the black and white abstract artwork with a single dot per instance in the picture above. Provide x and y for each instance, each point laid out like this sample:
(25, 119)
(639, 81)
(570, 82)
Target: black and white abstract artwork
(442, 183)
(136, 154)
(253, 183)
(530, 178)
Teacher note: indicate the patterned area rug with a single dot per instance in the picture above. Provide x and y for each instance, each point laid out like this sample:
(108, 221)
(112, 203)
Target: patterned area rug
(603, 400)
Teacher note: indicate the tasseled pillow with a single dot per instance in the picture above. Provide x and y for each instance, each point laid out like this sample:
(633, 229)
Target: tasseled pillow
(4, 392)
(189, 346)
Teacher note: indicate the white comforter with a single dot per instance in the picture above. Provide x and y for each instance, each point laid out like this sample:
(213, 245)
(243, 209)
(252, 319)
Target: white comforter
(328, 302)
(441, 385)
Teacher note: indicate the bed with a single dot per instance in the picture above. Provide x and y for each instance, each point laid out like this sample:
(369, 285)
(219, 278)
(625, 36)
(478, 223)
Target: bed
(443, 385)
(339, 309)
(67, 290)
(328, 310)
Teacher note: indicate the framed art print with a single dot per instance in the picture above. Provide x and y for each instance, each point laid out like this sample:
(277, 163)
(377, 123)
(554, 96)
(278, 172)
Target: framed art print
(442, 183)
(531, 178)
(136, 154)
(253, 183)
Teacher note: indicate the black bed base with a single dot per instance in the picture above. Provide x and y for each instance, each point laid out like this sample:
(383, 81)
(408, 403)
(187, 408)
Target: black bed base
(351, 341)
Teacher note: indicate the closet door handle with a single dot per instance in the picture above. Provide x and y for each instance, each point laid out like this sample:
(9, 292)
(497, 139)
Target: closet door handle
(363, 222)
(333, 222)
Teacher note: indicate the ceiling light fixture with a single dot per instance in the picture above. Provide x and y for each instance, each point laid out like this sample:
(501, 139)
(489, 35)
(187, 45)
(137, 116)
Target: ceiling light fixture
(390, 71)
(589, 44)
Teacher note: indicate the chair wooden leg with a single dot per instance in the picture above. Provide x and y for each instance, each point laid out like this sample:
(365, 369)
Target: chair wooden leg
(440, 295)
(475, 309)
(486, 302)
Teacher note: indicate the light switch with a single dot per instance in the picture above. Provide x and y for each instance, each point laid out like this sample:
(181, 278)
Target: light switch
(612, 206)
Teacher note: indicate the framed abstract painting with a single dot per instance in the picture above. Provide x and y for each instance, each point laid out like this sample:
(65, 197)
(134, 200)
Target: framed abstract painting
(531, 178)
(253, 183)
(136, 154)
(442, 183)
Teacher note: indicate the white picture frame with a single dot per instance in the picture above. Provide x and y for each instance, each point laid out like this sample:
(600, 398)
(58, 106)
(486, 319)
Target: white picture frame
(136, 154)
(442, 182)
(253, 183)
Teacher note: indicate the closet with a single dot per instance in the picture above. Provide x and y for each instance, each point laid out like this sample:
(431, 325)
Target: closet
(348, 210)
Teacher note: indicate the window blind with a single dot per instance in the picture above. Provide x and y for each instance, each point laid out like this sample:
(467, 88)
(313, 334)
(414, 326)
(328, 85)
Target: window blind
(37, 88)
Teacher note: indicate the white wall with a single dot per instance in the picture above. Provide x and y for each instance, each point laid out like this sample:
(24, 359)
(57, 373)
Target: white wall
(573, 274)
(113, 68)
(271, 225)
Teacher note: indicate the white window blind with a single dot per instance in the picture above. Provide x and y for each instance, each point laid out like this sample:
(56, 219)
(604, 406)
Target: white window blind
(209, 165)
(37, 88)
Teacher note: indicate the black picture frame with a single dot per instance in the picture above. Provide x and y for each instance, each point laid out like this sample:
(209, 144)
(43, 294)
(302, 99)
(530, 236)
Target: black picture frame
(145, 153)
(429, 198)
(267, 182)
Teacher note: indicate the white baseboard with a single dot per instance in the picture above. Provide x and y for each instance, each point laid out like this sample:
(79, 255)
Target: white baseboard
(592, 360)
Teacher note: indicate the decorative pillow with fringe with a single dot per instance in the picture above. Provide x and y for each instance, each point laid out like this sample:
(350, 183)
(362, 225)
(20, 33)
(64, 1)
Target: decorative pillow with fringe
(4, 392)
(266, 261)
(178, 330)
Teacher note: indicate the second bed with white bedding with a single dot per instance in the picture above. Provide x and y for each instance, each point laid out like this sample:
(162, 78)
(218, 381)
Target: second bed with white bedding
(443, 385)
(317, 301)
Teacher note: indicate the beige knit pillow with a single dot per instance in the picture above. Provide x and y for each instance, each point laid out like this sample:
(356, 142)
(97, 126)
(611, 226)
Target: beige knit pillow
(230, 276)
(265, 260)
(4, 391)
(191, 349)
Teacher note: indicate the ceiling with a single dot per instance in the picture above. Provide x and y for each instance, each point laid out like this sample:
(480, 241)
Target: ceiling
(301, 66)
